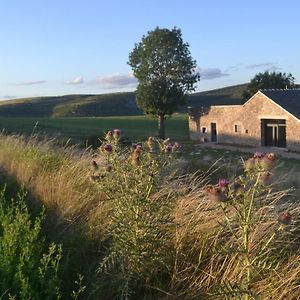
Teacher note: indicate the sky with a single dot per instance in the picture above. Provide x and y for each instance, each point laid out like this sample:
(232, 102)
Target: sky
(58, 47)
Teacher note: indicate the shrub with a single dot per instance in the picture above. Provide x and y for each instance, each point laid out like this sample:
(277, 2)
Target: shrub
(28, 269)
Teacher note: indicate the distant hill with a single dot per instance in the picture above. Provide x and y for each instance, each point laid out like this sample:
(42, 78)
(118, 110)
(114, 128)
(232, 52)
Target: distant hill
(115, 104)
(227, 95)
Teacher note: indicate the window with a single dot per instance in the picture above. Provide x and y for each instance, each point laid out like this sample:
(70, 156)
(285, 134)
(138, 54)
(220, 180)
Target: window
(237, 128)
(203, 129)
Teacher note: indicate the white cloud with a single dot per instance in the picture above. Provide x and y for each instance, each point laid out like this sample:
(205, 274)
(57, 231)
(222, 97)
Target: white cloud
(31, 82)
(77, 80)
(211, 73)
(116, 81)
(268, 66)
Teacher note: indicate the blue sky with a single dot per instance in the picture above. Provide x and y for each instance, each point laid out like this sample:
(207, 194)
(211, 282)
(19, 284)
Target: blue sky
(55, 47)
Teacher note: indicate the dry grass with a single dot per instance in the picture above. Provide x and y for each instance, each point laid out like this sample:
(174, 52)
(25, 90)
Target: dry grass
(57, 178)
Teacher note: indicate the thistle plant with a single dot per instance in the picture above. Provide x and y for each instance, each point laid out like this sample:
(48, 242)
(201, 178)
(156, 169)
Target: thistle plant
(139, 250)
(248, 205)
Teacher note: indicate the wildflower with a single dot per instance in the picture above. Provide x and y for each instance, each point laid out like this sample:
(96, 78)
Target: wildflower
(135, 160)
(150, 142)
(223, 183)
(137, 145)
(108, 148)
(216, 194)
(109, 136)
(258, 155)
(285, 218)
(267, 161)
(117, 134)
(264, 177)
(176, 147)
(168, 148)
(135, 157)
(249, 165)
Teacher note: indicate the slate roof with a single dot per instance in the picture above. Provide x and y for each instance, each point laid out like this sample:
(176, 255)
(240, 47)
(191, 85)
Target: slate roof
(287, 99)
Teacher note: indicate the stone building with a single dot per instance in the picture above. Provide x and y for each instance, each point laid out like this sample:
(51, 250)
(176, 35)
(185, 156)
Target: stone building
(269, 118)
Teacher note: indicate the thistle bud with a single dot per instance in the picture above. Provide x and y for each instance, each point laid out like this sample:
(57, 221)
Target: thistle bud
(135, 160)
(267, 161)
(176, 147)
(216, 194)
(285, 218)
(117, 134)
(264, 177)
(249, 165)
(109, 136)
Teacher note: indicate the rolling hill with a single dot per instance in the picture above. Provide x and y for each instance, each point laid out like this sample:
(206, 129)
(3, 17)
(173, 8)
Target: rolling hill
(115, 104)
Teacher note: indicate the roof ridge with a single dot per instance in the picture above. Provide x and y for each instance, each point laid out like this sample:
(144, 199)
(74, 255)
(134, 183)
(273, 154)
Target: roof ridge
(292, 89)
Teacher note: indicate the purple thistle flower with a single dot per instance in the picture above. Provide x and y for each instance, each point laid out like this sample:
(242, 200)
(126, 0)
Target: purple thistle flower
(117, 134)
(108, 148)
(223, 183)
(258, 155)
(137, 145)
(169, 148)
(176, 147)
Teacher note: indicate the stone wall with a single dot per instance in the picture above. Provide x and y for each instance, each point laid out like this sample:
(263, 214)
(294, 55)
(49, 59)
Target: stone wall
(246, 119)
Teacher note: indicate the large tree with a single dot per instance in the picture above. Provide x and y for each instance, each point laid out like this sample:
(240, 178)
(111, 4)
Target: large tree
(268, 80)
(165, 71)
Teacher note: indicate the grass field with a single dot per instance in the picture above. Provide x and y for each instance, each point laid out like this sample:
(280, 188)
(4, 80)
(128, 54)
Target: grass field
(83, 130)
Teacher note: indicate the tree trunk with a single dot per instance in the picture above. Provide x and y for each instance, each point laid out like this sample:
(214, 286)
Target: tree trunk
(161, 126)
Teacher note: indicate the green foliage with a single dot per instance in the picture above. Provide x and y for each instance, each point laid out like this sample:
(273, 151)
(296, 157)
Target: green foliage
(165, 70)
(268, 80)
(28, 270)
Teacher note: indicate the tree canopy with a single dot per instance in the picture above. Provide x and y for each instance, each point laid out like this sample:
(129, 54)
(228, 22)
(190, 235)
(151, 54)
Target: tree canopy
(165, 71)
(268, 80)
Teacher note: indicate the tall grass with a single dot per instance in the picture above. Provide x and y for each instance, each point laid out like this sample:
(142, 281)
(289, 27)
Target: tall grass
(158, 234)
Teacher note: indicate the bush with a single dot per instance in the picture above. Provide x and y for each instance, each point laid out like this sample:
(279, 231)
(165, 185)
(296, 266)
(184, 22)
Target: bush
(28, 269)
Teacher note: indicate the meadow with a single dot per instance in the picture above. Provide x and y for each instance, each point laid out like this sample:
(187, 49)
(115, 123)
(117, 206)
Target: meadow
(87, 130)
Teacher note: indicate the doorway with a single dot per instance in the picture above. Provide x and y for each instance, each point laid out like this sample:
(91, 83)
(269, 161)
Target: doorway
(273, 133)
(213, 130)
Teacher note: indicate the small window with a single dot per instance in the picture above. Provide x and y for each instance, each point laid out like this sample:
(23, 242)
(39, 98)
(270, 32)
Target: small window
(237, 128)
(203, 129)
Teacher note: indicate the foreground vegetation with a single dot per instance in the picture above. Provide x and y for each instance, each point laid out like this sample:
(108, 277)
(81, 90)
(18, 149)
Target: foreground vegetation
(135, 226)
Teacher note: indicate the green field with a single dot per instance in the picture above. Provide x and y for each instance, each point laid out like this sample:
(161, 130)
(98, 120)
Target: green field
(83, 130)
